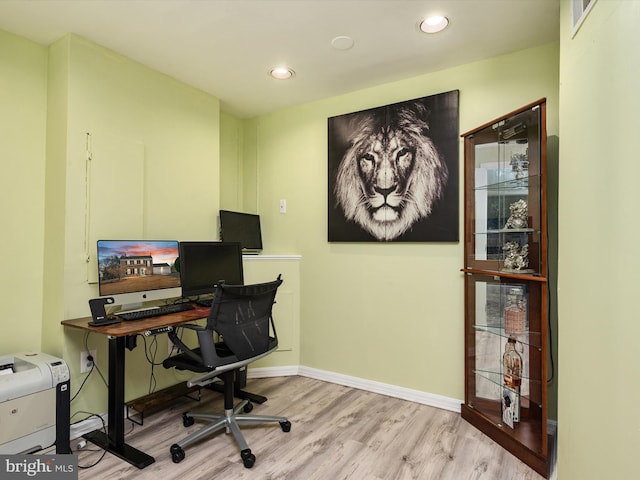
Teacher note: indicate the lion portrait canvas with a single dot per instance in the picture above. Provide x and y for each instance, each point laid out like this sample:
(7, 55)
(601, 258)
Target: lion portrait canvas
(393, 172)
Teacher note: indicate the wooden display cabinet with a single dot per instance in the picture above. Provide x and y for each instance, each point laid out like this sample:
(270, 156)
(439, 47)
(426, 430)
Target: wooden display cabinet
(506, 292)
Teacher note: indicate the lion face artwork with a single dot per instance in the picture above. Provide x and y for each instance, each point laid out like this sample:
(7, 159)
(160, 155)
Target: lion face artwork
(391, 175)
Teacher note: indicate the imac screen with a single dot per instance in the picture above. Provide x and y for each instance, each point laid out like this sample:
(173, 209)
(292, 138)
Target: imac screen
(204, 264)
(241, 227)
(135, 271)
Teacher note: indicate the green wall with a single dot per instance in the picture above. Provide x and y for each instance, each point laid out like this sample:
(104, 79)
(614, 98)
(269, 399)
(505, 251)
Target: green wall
(391, 313)
(112, 96)
(598, 417)
(238, 164)
(231, 166)
(59, 94)
(23, 97)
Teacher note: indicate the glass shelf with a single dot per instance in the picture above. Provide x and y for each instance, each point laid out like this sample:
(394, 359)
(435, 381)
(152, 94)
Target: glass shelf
(497, 379)
(511, 186)
(507, 230)
(530, 339)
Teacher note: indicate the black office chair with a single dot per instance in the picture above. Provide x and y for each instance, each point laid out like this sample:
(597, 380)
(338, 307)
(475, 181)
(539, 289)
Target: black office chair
(241, 316)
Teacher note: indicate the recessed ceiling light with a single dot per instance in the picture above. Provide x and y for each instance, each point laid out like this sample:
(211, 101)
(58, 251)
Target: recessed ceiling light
(434, 24)
(281, 73)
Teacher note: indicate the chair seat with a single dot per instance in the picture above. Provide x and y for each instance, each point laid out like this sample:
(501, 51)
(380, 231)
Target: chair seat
(184, 362)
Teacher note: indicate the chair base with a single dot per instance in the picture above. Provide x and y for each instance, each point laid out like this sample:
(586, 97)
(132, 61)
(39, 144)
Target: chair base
(230, 421)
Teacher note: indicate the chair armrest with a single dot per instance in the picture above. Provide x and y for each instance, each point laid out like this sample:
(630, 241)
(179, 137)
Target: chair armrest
(177, 341)
(207, 348)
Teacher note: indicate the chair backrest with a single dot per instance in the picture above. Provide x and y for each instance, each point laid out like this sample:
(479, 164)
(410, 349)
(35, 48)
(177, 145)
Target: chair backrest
(241, 315)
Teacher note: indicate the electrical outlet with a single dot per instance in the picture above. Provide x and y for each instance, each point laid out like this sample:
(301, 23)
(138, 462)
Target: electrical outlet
(85, 364)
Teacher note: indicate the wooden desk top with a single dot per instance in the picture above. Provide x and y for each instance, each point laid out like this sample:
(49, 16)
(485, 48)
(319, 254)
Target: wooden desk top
(132, 327)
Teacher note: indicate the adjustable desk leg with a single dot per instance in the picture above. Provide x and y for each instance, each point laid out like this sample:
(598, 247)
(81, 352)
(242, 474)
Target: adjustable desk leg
(114, 440)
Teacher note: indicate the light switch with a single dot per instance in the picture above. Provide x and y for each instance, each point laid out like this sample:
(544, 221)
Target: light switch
(283, 205)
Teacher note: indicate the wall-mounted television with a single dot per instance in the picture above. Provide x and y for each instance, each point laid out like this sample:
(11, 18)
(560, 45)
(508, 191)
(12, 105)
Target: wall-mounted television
(138, 271)
(204, 264)
(241, 227)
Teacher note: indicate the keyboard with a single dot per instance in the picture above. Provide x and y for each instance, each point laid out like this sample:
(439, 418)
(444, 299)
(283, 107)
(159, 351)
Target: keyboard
(155, 311)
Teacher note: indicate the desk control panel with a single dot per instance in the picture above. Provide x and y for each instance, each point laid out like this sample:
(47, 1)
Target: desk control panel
(158, 331)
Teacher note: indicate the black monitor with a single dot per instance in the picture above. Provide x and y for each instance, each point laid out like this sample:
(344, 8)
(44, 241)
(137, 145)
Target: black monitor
(241, 227)
(204, 264)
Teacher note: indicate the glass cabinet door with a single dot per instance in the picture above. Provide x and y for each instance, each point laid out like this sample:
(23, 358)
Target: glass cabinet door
(504, 202)
(505, 379)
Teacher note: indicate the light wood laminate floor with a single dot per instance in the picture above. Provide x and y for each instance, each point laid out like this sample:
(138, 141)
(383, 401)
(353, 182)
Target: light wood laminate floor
(337, 433)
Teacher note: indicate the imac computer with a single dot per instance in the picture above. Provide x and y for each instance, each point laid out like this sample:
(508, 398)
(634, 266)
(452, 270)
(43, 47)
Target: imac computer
(243, 228)
(204, 264)
(138, 271)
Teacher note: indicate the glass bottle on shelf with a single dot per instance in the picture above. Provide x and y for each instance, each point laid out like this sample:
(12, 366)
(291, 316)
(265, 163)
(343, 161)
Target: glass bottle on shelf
(515, 311)
(512, 374)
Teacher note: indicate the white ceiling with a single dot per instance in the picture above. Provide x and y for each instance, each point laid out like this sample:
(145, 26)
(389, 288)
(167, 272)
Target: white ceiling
(227, 47)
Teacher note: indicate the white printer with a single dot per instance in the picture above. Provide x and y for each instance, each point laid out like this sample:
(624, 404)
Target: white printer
(34, 403)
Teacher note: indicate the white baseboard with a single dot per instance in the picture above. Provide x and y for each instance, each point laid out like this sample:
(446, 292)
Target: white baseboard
(265, 372)
(425, 398)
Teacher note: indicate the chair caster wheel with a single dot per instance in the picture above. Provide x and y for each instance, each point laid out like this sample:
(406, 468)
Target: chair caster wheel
(286, 426)
(248, 458)
(177, 453)
(247, 407)
(187, 421)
